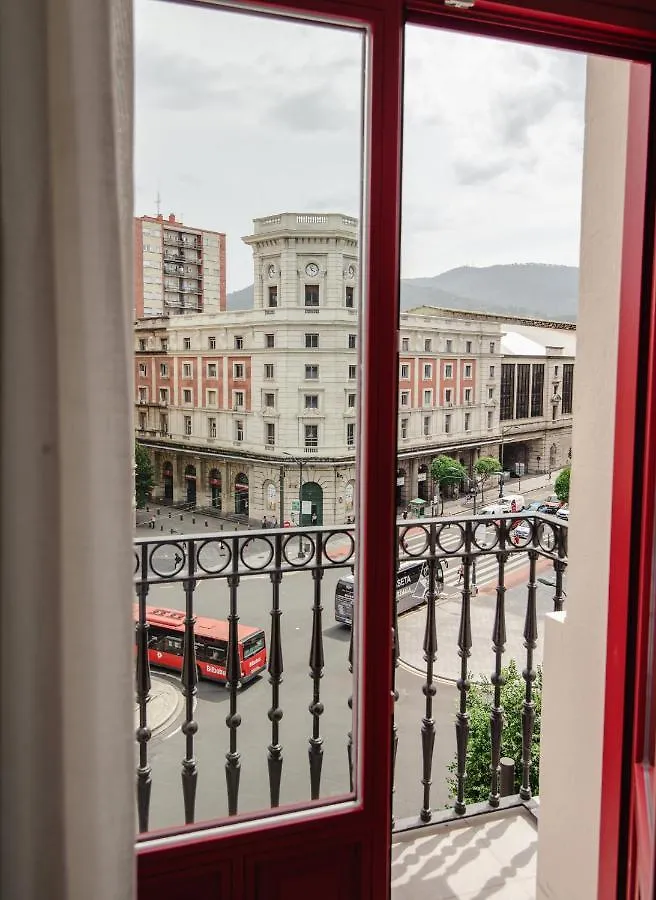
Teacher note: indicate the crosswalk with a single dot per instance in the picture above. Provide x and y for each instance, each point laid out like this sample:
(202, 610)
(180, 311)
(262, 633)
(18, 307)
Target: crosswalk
(486, 566)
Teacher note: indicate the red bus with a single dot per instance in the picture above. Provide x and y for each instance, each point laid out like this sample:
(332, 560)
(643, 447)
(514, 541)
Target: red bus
(166, 642)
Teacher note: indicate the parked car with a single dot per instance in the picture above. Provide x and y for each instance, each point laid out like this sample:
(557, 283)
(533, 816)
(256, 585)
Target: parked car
(535, 506)
(550, 508)
(563, 513)
(521, 532)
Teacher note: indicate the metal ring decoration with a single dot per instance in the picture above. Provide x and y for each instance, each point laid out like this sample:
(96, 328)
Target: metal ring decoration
(261, 565)
(547, 536)
(406, 531)
(450, 528)
(514, 539)
(330, 555)
(137, 562)
(178, 561)
(223, 547)
(482, 528)
(304, 561)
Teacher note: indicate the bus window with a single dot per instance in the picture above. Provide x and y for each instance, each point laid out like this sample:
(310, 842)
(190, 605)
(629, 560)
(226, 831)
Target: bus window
(253, 645)
(216, 653)
(173, 644)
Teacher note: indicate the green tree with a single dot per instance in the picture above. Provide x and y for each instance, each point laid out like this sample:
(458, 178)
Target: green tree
(561, 487)
(484, 468)
(444, 471)
(143, 475)
(479, 704)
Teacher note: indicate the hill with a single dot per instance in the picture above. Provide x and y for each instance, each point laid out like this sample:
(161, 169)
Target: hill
(528, 289)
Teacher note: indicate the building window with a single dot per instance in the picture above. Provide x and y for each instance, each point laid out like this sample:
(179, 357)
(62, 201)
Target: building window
(142, 344)
(447, 424)
(163, 425)
(143, 394)
(142, 421)
(428, 370)
(448, 370)
(428, 398)
(239, 342)
(491, 371)
(349, 298)
(163, 370)
(468, 347)
(448, 395)
(490, 393)
(449, 346)
(427, 425)
(187, 343)
(269, 341)
(164, 344)
(311, 294)
(492, 346)
(270, 434)
(537, 391)
(211, 370)
(273, 296)
(311, 435)
(351, 341)
(186, 370)
(238, 371)
(467, 421)
(568, 387)
(350, 434)
(238, 399)
(211, 428)
(312, 372)
(350, 401)
(211, 343)
(490, 420)
(522, 399)
(507, 397)
(311, 341)
(405, 398)
(187, 425)
(428, 345)
(405, 371)
(163, 395)
(468, 395)
(405, 344)
(468, 371)
(554, 411)
(404, 428)
(268, 370)
(312, 401)
(186, 395)
(211, 398)
(352, 372)
(142, 369)
(555, 371)
(239, 430)
(270, 400)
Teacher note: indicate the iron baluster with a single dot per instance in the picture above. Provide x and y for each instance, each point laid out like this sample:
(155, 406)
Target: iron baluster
(233, 676)
(429, 689)
(497, 679)
(142, 686)
(464, 652)
(396, 656)
(528, 708)
(316, 663)
(275, 669)
(349, 743)
(559, 568)
(189, 679)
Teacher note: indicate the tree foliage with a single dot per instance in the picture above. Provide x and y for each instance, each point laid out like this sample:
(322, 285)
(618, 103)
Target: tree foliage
(484, 467)
(479, 704)
(143, 475)
(446, 470)
(561, 486)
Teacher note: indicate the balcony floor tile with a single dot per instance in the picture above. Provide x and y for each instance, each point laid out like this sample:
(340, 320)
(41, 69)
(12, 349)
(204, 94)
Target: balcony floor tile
(491, 856)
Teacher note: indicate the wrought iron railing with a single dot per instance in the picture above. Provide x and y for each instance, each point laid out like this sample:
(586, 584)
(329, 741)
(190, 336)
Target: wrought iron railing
(189, 560)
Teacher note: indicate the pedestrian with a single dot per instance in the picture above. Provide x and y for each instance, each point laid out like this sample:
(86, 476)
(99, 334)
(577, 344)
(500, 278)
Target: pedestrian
(405, 513)
(264, 522)
(274, 524)
(461, 573)
(313, 518)
(151, 524)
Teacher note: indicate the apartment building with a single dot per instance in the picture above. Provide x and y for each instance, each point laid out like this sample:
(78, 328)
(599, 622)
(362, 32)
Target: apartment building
(240, 408)
(177, 269)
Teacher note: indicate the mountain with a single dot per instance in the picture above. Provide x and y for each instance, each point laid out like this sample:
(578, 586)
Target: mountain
(526, 289)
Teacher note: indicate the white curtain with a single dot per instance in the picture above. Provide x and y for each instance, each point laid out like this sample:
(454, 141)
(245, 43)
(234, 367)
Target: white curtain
(66, 747)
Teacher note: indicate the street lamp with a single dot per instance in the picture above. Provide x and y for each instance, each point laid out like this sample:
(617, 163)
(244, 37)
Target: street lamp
(301, 551)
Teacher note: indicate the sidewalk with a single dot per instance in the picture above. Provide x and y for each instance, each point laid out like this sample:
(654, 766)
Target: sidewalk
(529, 485)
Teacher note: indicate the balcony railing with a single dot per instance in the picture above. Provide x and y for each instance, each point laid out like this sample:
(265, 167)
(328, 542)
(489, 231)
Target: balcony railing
(233, 559)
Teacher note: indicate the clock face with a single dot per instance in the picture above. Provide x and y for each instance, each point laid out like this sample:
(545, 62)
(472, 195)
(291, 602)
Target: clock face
(351, 271)
(272, 270)
(312, 269)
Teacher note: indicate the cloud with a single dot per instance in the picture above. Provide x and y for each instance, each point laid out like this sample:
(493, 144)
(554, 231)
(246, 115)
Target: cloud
(472, 171)
(310, 112)
(515, 116)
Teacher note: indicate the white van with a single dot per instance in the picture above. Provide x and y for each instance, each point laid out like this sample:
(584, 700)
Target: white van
(514, 502)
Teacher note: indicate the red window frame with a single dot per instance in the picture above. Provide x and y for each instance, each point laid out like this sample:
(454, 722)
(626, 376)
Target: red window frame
(568, 24)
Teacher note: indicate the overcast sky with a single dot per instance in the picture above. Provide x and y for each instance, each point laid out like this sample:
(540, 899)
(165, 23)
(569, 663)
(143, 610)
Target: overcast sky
(239, 117)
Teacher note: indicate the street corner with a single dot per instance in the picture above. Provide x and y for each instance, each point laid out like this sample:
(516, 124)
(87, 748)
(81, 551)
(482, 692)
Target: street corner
(164, 705)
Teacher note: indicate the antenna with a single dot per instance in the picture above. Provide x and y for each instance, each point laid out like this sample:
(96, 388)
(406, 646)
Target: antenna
(158, 203)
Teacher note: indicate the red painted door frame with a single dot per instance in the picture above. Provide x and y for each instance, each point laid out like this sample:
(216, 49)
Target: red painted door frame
(344, 851)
